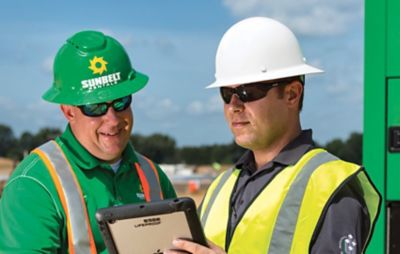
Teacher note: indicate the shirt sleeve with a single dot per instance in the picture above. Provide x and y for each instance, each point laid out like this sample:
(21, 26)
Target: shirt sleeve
(345, 226)
(29, 221)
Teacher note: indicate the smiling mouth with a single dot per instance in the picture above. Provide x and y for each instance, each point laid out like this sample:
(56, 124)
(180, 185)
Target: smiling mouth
(109, 134)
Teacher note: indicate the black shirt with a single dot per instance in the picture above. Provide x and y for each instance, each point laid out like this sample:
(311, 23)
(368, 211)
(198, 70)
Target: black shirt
(345, 222)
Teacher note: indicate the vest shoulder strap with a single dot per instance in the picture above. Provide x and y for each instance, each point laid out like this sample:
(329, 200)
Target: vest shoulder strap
(285, 226)
(149, 178)
(80, 237)
(214, 195)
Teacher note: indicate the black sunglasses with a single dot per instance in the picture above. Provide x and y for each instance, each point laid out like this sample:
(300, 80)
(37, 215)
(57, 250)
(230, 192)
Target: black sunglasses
(251, 91)
(100, 109)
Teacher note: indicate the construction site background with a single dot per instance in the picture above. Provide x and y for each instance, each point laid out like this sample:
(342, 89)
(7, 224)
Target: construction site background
(189, 181)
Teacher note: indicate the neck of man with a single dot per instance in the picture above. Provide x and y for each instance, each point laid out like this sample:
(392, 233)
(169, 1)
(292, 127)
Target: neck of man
(264, 155)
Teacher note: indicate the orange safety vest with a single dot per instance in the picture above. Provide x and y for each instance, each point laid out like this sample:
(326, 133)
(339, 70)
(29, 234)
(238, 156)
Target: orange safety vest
(80, 236)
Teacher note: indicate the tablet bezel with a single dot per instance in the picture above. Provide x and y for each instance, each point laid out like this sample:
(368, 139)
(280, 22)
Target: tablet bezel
(106, 216)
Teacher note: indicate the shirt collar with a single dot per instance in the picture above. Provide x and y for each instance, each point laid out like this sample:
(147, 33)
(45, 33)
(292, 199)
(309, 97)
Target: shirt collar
(85, 160)
(289, 155)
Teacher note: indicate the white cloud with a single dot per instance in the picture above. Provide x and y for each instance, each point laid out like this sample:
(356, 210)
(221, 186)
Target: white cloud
(31, 116)
(126, 39)
(309, 17)
(6, 104)
(155, 108)
(345, 92)
(196, 107)
(337, 88)
(47, 64)
(212, 105)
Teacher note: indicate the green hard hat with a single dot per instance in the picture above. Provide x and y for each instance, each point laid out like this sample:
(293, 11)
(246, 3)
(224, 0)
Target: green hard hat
(91, 68)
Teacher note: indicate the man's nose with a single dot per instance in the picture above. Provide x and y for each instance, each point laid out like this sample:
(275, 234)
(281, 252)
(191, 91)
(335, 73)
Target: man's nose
(235, 104)
(111, 115)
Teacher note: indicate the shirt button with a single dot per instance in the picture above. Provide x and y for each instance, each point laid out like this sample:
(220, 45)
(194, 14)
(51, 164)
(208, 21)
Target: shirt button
(241, 202)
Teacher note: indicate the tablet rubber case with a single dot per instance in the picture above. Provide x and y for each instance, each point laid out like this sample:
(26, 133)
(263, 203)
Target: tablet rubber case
(149, 228)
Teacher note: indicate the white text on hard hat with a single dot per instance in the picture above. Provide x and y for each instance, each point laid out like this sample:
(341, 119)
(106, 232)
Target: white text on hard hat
(103, 81)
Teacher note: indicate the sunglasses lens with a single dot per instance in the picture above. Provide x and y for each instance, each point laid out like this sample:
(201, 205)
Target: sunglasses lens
(100, 109)
(226, 94)
(122, 103)
(246, 93)
(253, 92)
(94, 109)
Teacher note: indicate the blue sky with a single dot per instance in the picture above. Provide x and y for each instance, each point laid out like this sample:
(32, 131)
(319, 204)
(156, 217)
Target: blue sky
(174, 42)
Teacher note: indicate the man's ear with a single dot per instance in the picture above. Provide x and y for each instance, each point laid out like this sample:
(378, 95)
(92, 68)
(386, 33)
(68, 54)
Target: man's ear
(68, 112)
(294, 91)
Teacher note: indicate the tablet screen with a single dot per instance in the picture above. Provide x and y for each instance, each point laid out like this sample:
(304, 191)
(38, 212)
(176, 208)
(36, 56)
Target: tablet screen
(151, 234)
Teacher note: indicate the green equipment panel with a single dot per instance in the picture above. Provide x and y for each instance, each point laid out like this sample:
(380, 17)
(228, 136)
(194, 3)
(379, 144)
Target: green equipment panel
(381, 143)
(393, 167)
(393, 38)
(393, 155)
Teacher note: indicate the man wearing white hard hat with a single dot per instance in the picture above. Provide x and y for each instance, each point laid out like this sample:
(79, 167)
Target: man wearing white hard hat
(284, 195)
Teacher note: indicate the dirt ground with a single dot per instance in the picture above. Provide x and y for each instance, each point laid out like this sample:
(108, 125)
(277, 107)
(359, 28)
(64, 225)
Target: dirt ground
(6, 166)
(183, 190)
(197, 196)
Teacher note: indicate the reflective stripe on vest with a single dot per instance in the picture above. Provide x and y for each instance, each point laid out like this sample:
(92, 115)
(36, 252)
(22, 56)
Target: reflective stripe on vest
(283, 217)
(80, 237)
(286, 222)
(221, 182)
(149, 179)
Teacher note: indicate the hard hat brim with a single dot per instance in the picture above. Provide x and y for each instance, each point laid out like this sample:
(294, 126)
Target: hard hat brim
(267, 76)
(119, 90)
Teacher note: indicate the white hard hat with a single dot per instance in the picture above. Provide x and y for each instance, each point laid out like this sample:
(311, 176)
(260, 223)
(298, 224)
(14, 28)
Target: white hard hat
(258, 49)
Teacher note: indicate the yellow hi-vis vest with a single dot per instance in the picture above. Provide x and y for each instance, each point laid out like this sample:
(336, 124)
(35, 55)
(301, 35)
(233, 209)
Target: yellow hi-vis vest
(80, 236)
(283, 217)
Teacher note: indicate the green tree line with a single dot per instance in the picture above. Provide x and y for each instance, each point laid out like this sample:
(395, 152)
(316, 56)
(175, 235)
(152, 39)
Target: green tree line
(163, 149)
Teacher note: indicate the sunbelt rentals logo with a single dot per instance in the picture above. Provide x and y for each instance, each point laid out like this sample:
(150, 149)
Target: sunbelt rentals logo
(98, 65)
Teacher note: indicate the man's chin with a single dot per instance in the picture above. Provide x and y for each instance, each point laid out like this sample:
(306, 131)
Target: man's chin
(243, 142)
(110, 158)
(111, 152)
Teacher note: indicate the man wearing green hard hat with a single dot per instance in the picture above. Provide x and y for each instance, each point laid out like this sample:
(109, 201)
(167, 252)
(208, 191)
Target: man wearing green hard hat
(50, 201)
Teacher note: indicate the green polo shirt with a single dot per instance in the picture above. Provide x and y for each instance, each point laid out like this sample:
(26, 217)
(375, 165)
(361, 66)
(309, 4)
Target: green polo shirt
(32, 219)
